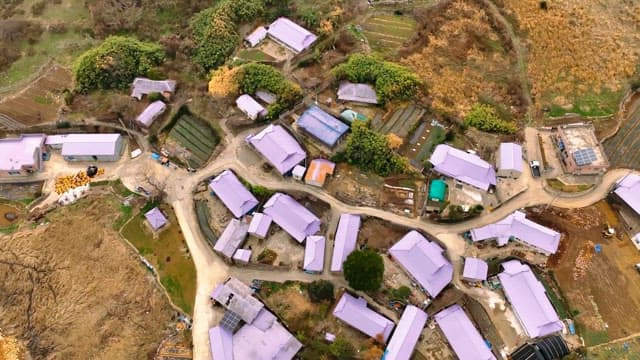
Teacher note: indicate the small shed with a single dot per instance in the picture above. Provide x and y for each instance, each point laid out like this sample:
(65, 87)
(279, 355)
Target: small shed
(318, 171)
(437, 190)
(509, 160)
(156, 218)
(314, 254)
(250, 107)
(151, 113)
(256, 37)
(242, 256)
(475, 270)
(266, 97)
(362, 93)
(298, 172)
(259, 226)
(351, 116)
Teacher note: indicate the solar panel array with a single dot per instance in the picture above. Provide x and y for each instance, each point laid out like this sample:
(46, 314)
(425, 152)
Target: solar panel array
(230, 321)
(584, 156)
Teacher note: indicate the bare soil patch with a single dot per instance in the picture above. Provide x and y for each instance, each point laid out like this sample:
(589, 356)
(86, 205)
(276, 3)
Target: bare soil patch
(590, 281)
(380, 234)
(72, 289)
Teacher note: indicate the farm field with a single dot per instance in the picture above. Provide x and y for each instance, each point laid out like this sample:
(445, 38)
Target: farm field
(386, 33)
(196, 137)
(463, 60)
(589, 280)
(254, 55)
(168, 253)
(72, 289)
(39, 102)
(626, 349)
(582, 64)
(623, 149)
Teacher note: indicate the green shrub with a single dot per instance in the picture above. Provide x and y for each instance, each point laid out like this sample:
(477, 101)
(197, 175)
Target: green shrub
(115, 63)
(320, 290)
(370, 151)
(483, 117)
(155, 96)
(401, 293)
(252, 77)
(392, 81)
(38, 8)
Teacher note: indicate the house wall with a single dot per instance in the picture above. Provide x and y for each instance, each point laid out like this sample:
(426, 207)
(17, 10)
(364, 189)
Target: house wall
(106, 158)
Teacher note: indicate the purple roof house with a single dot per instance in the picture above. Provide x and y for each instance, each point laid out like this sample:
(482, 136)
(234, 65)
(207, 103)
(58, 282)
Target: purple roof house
(424, 261)
(259, 226)
(292, 217)
(314, 254)
(291, 35)
(151, 113)
(518, 226)
(509, 160)
(628, 189)
(259, 34)
(462, 166)
(17, 155)
(406, 335)
(250, 107)
(231, 238)
(233, 194)
(221, 343)
(529, 300)
(156, 218)
(236, 296)
(356, 313)
(242, 256)
(475, 269)
(322, 125)
(279, 148)
(98, 145)
(345, 240)
(144, 86)
(462, 335)
(362, 93)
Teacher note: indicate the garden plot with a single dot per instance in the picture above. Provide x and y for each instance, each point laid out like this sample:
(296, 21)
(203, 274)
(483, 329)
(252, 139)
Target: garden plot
(425, 138)
(195, 138)
(387, 33)
(623, 149)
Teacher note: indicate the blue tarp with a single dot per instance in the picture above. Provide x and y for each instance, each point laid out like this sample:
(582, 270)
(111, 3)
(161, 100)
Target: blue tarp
(322, 125)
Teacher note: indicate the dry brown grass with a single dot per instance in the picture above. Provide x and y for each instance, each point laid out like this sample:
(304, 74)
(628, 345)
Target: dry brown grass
(578, 46)
(464, 60)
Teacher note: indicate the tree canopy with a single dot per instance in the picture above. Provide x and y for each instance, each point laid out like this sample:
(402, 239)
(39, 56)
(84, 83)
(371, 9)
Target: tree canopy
(363, 270)
(392, 81)
(371, 151)
(484, 117)
(320, 290)
(115, 63)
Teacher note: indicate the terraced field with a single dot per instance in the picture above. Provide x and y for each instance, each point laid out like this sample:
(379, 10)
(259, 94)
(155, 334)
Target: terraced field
(401, 122)
(623, 149)
(387, 33)
(195, 136)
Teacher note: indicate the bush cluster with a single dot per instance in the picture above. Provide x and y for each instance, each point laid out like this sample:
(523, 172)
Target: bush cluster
(215, 33)
(392, 81)
(253, 77)
(483, 117)
(115, 63)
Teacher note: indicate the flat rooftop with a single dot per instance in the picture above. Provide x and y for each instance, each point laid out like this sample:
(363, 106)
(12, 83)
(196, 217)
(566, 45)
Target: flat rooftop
(577, 137)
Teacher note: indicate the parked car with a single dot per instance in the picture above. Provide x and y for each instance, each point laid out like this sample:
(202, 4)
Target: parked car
(535, 168)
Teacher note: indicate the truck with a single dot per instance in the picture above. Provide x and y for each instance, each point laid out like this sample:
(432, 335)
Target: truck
(535, 168)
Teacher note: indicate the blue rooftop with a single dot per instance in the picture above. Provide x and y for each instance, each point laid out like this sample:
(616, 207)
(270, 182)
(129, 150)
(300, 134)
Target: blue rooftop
(322, 125)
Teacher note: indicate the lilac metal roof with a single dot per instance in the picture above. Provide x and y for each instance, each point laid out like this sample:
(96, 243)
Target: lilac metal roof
(424, 260)
(233, 194)
(221, 343)
(345, 240)
(242, 255)
(529, 300)
(90, 144)
(510, 157)
(232, 238)
(156, 218)
(249, 106)
(260, 224)
(264, 320)
(628, 189)
(322, 125)
(266, 96)
(278, 147)
(356, 313)
(462, 166)
(363, 93)
(518, 226)
(256, 342)
(15, 153)
(151, 112)
(292, 217)
(462, 335)
(291, 34)
(475, 269)
(314, 253)
(259, 34)
(144, 86)
(406, 335)
(236, 296)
